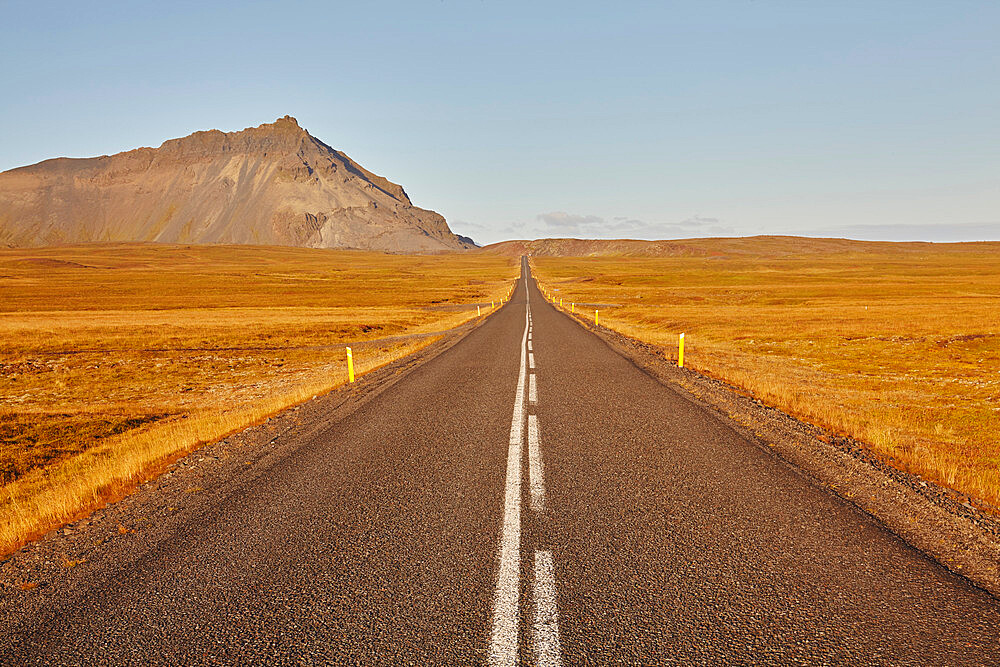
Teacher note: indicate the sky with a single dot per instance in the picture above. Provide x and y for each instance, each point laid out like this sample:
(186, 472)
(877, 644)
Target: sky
(871, 120)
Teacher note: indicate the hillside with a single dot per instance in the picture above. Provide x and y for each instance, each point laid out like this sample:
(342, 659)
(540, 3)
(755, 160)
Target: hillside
(269, 185)
(757, 246)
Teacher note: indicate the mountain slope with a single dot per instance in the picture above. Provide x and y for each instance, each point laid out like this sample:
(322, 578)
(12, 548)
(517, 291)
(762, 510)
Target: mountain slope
(270, 185)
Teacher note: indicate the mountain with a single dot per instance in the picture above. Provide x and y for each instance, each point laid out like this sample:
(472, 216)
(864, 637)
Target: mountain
(274, 184)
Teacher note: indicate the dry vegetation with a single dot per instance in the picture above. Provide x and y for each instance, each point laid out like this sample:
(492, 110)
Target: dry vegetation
(116, 359)
(897, 345)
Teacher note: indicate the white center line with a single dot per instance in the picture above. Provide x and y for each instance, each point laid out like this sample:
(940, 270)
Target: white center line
(545, 629)
(504, 641)
(536, 471)
(506, 614)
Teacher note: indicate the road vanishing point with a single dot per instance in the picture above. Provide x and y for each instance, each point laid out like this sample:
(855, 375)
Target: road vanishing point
(527, 496)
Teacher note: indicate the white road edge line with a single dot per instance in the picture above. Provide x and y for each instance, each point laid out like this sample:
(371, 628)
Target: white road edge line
(546, 624)
(532, 390)
(506, 612)
(536, 470)
(531, 360)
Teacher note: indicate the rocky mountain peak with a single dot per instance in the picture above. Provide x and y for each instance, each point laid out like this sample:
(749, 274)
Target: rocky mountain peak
(286, 122)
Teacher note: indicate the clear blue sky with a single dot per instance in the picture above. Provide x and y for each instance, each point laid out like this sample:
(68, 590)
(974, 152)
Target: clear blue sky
(519, 120)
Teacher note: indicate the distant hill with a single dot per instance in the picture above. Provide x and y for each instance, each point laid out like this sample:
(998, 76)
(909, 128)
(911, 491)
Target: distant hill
(756, 246)
(592, 247)
(269, 185)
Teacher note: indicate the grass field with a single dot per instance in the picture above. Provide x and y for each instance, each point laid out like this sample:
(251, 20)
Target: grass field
(117, 359)
(897, 345)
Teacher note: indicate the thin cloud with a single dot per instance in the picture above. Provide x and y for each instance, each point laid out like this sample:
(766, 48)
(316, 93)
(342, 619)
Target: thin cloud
(465, 224)
(564, 220)
(941, 233)
(593, 226)
(484, 233)
(698, 221)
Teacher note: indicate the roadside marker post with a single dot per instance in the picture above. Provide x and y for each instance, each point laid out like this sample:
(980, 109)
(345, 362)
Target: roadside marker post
(596, 320)
(680, 351)
(560, 303)
(350, 365)
(572, 307)
(478, 311)
(493, 304)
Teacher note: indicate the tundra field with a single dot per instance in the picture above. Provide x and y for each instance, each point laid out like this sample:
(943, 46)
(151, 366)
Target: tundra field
(118, 359)
(896, 345)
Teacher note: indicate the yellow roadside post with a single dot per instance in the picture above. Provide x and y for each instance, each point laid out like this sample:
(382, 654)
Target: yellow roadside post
(493, 304)
(350, 365)
(596, 320)
(560, 303)
(680, 351)
(572, 307)
(478, 311)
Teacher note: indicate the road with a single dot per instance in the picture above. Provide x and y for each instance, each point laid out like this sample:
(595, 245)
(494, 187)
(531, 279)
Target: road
(528, 496)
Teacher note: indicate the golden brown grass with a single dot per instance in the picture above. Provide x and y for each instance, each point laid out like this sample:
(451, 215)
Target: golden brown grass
(117, 359)
(895, 345)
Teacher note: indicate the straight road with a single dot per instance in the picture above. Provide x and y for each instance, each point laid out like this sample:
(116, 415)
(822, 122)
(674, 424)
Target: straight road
(528, 497)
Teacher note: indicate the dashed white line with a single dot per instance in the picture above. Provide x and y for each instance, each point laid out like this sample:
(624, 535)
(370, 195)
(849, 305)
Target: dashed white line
(536, 471)
(545, 629)
(504, 639)
(506, 614)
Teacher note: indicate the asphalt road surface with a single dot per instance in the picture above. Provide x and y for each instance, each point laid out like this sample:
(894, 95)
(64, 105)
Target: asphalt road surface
(528, 496)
